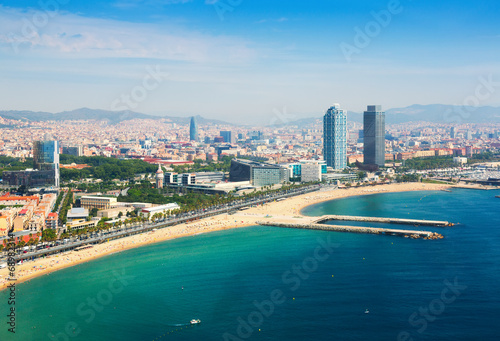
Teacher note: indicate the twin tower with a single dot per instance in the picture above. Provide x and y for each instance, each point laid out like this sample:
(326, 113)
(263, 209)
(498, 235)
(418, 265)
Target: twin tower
(335, 136)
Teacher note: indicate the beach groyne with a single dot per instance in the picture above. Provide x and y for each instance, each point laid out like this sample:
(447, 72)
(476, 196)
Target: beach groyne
(415, 222)
(355, 229)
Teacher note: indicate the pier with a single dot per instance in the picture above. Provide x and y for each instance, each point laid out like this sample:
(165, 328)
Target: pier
(415, 222)
(355, 229)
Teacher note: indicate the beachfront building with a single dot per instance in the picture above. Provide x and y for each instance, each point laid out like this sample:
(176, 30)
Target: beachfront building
(335, 137)
(258, 173)
(311, 171)
(374, 136)
(306, 170)
(101, 203)
(150, 211)
(77, 224)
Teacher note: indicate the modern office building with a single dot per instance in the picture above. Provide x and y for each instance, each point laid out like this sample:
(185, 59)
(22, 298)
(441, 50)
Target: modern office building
(228, 136)
(259, 174)
(29, 178)
(75, 151)
(335, 137)
(46, 172)
(306, 170)
(193, 129)
(46, 157)
(374, 136)
(453, 133)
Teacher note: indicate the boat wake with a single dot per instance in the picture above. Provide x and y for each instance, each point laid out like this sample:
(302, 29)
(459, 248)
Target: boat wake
(179, 325)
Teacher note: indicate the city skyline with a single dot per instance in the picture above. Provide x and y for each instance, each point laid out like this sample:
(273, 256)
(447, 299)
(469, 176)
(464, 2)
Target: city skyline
(156, 57)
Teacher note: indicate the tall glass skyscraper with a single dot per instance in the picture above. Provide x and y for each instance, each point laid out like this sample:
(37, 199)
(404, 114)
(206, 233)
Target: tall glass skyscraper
(46, 157)
(335, 137)
(374, 135)
(193, 129)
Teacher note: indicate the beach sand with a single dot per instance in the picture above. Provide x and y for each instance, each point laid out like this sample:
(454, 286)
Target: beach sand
(287, 209)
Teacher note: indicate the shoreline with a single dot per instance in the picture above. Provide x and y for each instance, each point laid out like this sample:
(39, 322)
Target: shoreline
(289, 208)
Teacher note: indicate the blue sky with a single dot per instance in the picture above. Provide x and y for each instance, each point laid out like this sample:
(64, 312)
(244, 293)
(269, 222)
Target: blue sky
(246, 61)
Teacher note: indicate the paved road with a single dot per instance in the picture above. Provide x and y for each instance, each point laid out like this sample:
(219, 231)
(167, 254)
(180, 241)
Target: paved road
(144, 227)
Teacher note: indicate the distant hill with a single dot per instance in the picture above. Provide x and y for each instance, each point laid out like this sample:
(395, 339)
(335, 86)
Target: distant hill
(435, 113)
(441, 113)
(113, 117)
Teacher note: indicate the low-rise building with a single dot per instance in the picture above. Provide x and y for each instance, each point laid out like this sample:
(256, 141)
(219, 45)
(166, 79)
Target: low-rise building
(101, 203)
(52, 221)
(80, 224)
(159, 209)
(78, 213)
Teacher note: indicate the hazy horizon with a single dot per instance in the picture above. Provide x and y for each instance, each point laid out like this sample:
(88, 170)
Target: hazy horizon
(254, 59)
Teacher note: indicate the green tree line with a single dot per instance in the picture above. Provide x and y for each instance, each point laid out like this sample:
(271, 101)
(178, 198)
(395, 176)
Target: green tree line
(104, 168)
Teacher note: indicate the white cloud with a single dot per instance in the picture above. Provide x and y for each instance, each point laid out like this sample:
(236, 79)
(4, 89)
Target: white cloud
(62, 34)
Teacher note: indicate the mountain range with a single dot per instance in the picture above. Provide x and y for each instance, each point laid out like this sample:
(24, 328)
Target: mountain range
(434, 113)
(113, 117)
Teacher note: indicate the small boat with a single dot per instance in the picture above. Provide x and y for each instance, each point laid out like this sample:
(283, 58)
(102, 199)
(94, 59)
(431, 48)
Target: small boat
(497, 196)
(367, 311)
(195, 321)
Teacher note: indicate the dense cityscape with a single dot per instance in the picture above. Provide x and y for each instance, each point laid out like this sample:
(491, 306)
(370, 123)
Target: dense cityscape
(175, 158)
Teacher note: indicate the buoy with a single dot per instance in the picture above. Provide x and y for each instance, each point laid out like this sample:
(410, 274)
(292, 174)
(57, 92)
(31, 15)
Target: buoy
(294, 298)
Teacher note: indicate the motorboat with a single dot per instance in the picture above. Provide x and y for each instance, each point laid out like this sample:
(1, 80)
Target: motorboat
(195, 321)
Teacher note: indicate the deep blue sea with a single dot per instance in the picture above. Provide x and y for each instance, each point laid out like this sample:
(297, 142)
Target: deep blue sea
(265, 283)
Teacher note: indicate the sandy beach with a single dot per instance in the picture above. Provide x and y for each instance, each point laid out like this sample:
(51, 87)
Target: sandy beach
(289, 208)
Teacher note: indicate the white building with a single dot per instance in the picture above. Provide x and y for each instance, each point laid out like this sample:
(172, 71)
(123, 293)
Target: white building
(460, 160)
(311, 171)
(159, 209)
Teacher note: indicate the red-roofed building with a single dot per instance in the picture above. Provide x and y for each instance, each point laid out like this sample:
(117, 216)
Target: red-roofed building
(51, 221)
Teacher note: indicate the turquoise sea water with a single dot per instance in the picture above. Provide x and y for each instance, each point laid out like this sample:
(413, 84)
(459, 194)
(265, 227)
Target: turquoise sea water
(414, 289)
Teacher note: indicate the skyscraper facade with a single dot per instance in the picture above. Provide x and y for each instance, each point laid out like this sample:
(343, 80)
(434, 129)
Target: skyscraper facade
(335, 137)
(228, 136)
(46, 157)
(374, 135)
(193, 129)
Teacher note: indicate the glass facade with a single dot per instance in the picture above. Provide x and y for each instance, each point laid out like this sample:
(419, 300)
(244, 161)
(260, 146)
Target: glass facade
(335, 137)
(193, 129)
(374, 135)
(46, 158)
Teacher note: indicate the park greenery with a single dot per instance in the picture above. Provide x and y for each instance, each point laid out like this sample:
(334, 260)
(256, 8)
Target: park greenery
(68, 201)
(58, 201)
(222, 165)
(8, 163)
(104, 168)
(439, 162)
